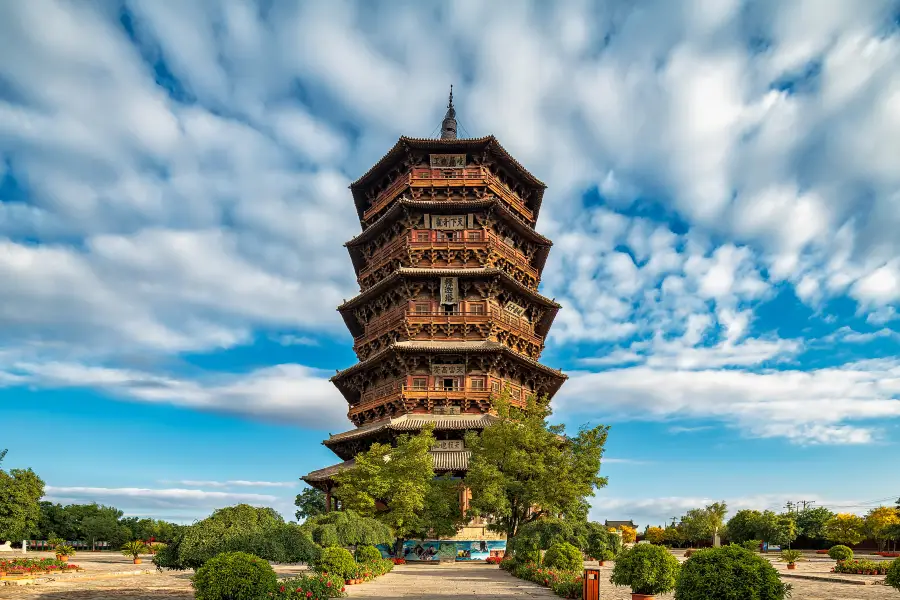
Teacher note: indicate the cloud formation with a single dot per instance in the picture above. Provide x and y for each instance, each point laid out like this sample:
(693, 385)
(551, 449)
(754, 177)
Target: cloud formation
(173, 179)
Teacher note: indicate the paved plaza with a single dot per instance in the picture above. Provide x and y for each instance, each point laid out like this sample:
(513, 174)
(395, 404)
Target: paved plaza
(111, 576)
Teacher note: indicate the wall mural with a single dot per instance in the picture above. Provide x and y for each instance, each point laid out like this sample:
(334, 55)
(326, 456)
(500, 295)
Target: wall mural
(420, 550)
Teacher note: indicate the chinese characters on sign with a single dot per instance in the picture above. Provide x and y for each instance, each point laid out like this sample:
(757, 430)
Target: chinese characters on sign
(448, 161)
(449, 290)
(448, 221)
(448, 445)
(448, 369)
(515, 309)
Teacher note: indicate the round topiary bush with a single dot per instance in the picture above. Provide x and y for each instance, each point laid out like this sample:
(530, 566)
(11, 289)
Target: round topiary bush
(528, 555)
(646, 569)
(234, 576)
(893, 574)
(840, 552)
(565, 556)
(729, 573)
(366, 554)
(338, 561)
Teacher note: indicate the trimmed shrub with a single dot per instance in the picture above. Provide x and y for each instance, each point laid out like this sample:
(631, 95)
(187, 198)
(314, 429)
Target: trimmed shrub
(564, 556)
(234, 576)
(604, 545)
(528, 555)
(861, 567)
(351, 529)
(257, 531)
(326, 536)
(313, 585)
(840, 552)
(752, 545)
(893, 575)
(729, 573)
(338, 561)
(367, 554)
(646, 569)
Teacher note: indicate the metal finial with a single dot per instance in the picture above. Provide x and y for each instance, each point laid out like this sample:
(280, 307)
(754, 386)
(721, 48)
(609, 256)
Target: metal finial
(448, 127)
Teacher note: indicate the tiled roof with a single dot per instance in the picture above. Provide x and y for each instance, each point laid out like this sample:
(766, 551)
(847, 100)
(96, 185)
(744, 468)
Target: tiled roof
(387, 216)
(450, 346)
(415, 422)
(446, 272)
(444, 460)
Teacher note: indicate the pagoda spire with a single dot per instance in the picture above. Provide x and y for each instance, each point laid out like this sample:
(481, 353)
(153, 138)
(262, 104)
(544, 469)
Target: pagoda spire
(448, 127)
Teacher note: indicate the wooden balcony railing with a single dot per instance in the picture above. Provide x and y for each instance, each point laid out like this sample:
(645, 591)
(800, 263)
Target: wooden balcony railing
(385, 393)
(488, 241)
(391, 320)
(470, 176)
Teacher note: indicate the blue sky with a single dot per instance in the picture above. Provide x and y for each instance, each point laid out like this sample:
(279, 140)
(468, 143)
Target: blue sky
(723, 196)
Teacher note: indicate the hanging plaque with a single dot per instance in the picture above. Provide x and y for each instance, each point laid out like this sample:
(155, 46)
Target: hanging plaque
(448, 369)
(448, 161)
(448, 445)
(449, 290)
(513, 308)
(448, 221)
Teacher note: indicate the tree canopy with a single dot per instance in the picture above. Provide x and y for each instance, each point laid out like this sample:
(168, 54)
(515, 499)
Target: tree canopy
(845, 528)
(310, 503)
(702, 523)
(811, 522)
(20, 509)
(522, 462)
(879, 522)
(397, 486)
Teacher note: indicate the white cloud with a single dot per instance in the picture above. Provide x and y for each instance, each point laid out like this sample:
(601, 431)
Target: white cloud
(287, 393)
(234, 483)
(839, 405)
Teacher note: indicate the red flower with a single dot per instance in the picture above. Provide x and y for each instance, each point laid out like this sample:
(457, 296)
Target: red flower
(308, 594)
(281, 589)
(343, 588)
(328, 584)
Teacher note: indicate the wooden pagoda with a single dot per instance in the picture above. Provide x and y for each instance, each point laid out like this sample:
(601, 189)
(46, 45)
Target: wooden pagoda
(448, 265)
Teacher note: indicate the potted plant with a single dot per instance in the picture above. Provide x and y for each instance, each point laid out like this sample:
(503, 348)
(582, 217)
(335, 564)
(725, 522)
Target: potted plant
(647, 569)
(791, 557)
(134, 550)
(63, 552)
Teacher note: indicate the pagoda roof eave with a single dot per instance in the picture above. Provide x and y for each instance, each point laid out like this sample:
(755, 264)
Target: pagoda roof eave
(449, 347)
(414, 422)
(488, 143)
(441, 460)
(446, 272)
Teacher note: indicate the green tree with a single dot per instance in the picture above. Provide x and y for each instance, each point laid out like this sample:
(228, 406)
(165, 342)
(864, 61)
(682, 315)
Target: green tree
(845, 528)
(811, 522)
(310, 503)
(674, 536)
(702, 523)
(744, 526)
(394, 484)
(521, 468)
(20, 509)
(442, 516)
(878, 523)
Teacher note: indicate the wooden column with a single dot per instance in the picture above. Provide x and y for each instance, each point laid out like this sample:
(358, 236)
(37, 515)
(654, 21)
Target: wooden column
(328, 499)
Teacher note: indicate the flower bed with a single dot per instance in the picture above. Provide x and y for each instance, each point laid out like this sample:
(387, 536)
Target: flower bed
(821, 551)
(398, 561)
(567, 584)
(316, 586)
(860, 567)
(889, 554)
(493, 560)
(36, 566)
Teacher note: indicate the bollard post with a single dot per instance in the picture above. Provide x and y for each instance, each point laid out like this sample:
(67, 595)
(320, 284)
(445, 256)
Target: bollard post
(591, 587)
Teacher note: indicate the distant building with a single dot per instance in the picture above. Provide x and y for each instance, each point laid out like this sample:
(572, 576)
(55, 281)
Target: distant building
(618, 524)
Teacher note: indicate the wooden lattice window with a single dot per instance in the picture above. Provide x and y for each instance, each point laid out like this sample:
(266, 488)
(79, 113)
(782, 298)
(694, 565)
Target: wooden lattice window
(477, 308)
(448, 236)
(423, 236)
(476, 383)
(422, 308)
(420, 383)
(474, 236)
